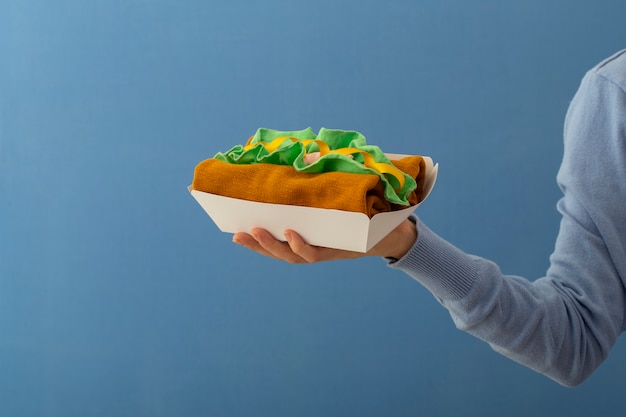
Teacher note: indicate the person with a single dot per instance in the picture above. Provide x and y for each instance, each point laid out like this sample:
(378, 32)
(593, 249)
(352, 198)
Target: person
(562, 325)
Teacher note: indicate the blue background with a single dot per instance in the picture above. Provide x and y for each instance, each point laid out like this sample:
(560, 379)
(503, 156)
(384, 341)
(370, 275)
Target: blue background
(119, 296)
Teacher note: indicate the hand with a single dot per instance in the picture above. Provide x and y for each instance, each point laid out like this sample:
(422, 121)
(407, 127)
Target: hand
(296, 251)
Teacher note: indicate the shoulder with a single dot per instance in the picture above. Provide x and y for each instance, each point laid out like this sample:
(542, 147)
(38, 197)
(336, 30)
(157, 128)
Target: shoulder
(612, 69)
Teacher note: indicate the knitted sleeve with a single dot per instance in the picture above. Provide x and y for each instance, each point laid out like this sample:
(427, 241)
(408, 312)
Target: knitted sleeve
(564, 324)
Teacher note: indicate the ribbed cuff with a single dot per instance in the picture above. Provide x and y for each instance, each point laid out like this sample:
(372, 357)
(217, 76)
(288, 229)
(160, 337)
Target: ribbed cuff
(446, 271)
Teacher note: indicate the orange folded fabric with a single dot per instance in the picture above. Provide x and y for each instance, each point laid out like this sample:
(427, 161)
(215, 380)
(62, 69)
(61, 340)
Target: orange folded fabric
(282, 184)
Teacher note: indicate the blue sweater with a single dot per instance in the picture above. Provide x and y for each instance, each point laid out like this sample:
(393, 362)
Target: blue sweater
(564, 324)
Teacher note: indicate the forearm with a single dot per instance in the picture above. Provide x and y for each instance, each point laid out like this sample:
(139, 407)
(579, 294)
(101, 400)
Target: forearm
(543, 324)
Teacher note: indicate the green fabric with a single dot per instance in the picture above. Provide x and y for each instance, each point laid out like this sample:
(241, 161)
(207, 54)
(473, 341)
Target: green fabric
(292, 153)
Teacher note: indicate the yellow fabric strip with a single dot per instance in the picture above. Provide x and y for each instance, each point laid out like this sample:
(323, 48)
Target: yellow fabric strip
(370, 162)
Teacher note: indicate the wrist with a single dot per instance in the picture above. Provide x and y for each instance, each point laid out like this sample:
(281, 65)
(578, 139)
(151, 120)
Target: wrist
(398, 242)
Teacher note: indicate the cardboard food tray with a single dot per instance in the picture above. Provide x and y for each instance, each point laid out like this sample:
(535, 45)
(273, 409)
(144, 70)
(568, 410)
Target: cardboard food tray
(320, 227)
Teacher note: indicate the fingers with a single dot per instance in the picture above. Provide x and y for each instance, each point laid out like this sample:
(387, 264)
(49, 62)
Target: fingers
(294, 251)
(249, 242)
(299, 247)
(312, 254)
(261, 241)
